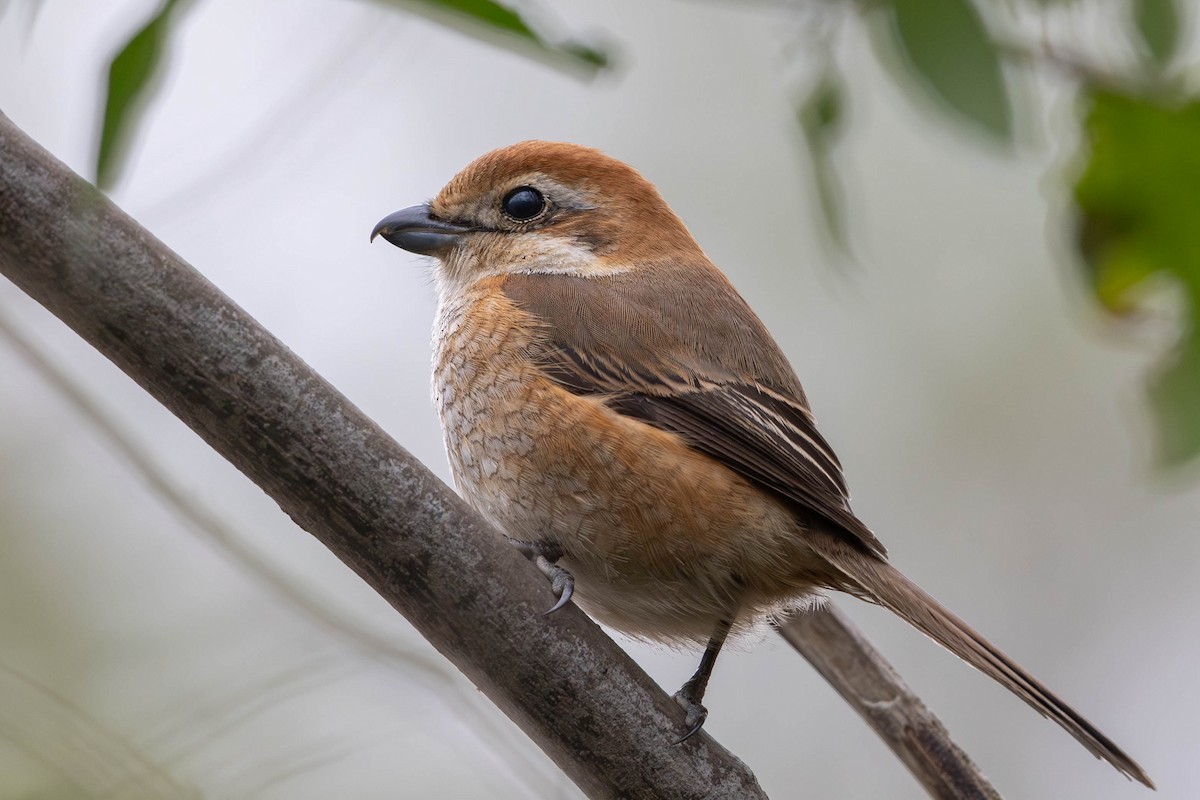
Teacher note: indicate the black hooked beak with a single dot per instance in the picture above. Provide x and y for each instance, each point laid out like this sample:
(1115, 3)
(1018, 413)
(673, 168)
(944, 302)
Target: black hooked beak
(414, 230)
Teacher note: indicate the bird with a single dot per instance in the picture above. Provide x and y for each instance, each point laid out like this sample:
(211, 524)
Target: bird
(615, 408)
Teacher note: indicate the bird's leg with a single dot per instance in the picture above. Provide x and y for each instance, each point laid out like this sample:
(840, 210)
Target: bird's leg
(692, 692)
(545, 556)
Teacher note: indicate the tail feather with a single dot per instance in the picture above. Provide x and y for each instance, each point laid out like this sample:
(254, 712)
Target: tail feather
(887, 586)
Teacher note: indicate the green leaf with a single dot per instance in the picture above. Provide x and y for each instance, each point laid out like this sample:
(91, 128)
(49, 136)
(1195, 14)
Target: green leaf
(945, 47)
(1139, 211)
(1157, 23)
(131, 73)
(820, 116)
(586, 54)
(501, 25)
(129, 79)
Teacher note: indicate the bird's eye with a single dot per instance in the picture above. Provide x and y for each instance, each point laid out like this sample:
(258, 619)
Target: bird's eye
(523, 203)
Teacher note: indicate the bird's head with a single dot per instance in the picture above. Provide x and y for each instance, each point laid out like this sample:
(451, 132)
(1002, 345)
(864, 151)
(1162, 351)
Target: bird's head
(541, 207)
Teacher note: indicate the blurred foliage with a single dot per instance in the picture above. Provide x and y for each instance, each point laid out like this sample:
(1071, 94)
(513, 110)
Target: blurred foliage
(485, 18)
(1157, 23)
(821, 115)
(129, 80)
(1140, 151)
(941, 54)
(958, 58)
(949, 54)
(1139, 208)
(133, 70)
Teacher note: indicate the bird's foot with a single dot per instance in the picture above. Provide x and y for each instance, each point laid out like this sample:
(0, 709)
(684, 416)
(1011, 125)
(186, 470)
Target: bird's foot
(562, 582)
(694, 712)
(545, 556)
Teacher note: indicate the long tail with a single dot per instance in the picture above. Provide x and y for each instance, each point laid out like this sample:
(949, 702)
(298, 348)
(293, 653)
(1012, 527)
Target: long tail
(887, 586)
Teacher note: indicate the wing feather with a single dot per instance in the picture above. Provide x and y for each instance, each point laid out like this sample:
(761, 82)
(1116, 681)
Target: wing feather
(677, 374)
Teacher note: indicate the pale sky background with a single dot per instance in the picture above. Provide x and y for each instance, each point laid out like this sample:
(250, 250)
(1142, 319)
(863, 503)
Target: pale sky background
(991, 424)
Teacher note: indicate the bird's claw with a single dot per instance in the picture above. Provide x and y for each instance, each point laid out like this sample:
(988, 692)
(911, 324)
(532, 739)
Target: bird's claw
(545, 555)
(694, 713)
(562, 582)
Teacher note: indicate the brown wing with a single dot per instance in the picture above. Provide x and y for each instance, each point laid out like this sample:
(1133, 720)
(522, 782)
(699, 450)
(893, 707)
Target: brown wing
(698, 363)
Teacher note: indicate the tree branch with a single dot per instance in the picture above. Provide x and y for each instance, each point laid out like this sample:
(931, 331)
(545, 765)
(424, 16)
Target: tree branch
(340, 477)
(844, 657)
